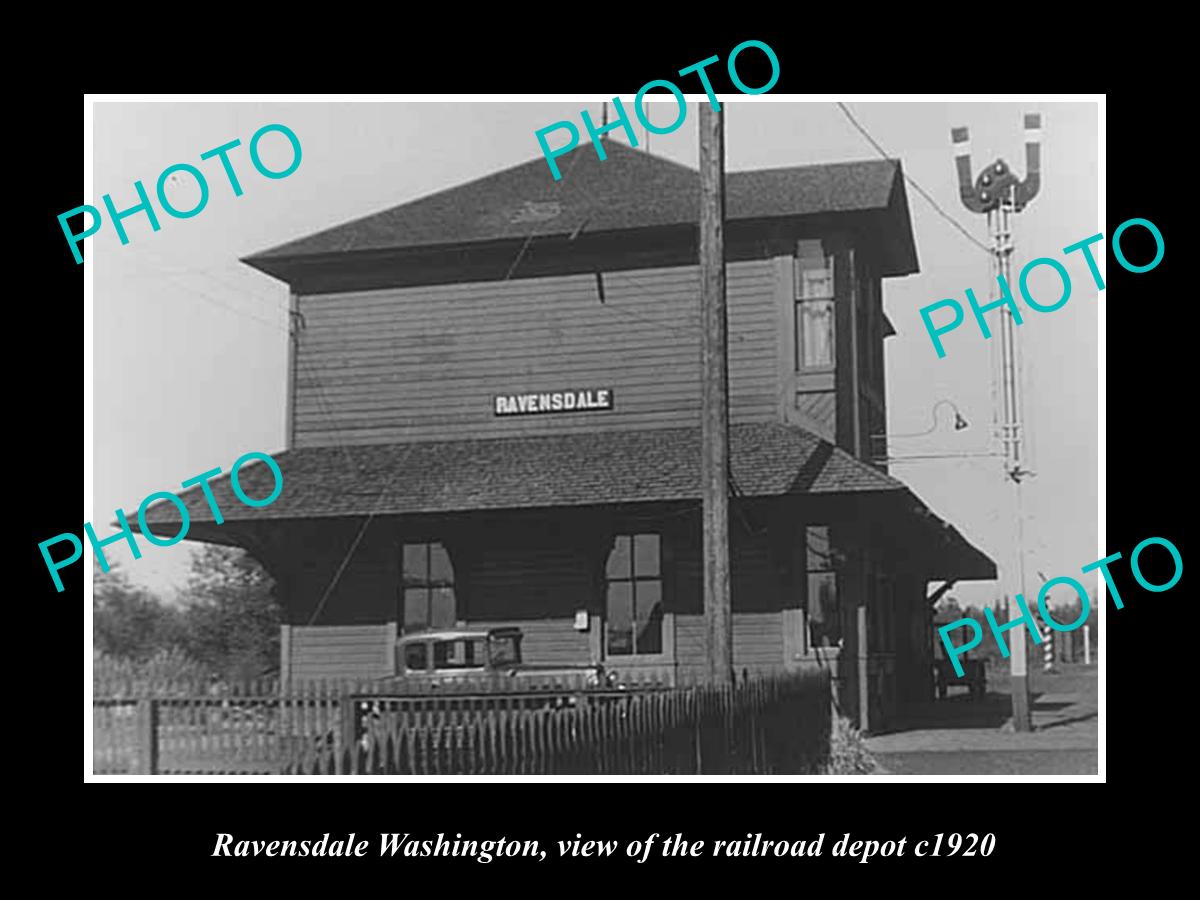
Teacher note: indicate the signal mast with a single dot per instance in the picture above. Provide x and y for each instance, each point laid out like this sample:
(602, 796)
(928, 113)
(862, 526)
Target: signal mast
(999, 194)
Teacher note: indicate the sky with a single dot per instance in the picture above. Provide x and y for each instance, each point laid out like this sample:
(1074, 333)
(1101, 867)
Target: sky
(190, 345)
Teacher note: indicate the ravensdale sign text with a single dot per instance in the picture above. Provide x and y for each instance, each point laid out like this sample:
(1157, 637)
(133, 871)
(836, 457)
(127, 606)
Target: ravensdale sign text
(558, 401)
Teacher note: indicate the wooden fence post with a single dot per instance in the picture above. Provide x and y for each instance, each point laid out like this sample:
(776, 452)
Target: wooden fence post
(147, 718)
(346, 712)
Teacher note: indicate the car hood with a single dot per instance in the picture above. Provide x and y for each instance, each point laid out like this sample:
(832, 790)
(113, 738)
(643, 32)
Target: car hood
(510, 671)
(540, 668)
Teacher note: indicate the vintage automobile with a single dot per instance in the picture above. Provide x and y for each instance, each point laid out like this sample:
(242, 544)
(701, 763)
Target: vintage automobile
(480, 663)
(454, 657)
(974, 677)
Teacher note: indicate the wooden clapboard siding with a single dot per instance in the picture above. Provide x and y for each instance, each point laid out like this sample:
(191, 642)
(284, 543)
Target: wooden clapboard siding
(424, 363)
(547, 641)
(816, 410)
(691, 643)
(757, 642)
(340, 651)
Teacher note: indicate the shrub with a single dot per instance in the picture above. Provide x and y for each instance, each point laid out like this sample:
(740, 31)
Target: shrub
(167, 670)
(847, 753)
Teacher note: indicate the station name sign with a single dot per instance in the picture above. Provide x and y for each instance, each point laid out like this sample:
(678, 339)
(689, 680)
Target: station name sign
(555, 402)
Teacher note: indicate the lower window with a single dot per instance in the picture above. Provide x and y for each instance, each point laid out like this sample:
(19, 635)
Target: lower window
(633, 601)
(824, 614)
(428, 588)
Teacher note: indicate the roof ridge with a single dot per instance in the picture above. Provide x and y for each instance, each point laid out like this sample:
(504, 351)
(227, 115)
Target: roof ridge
(475, 182)
(629, 190)
(865, 161)
(260, 254)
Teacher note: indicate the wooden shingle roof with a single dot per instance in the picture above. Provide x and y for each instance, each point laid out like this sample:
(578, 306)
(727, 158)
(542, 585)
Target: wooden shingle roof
(631, 189)
(530, 472)
(557, 471)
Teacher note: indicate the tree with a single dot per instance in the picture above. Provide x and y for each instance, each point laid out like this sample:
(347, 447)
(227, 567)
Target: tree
(230, 614)
(128, 621)
(948, 608)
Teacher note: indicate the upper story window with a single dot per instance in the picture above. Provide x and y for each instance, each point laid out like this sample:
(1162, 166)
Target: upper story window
(633, 597)
(870, 327)
(428, 586)
(814, 308)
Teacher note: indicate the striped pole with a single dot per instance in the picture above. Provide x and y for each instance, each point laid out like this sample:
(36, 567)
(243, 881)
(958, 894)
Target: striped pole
(1047, 649)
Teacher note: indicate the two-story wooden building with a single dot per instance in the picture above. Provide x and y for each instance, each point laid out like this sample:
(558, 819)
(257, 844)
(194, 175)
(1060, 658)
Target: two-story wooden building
(493, 418)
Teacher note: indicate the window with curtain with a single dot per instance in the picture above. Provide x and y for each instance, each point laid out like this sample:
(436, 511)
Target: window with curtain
(428, 588)
(633, 598)
(824, 615)
(814, 307)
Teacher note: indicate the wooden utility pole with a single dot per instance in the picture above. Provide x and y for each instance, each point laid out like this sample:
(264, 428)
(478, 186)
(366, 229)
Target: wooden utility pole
(714, 373)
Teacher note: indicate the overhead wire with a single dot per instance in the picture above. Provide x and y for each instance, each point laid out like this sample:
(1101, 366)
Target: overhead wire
(323, 401)
(204, 295)
(327, 408)
(358, 538)
(594, 207)
(917, 187)
(171, 270)
(398, 465)
(324, 405)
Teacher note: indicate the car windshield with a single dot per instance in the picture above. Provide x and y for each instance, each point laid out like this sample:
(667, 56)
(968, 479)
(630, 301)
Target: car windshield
(505, 648)
(415, 657)
(463, 653)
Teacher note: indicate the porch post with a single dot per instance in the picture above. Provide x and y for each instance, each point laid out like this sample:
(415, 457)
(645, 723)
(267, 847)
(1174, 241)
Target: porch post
(864, 686)
(285, 656)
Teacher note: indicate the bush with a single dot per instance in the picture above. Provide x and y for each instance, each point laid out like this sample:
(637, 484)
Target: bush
(130, 622)
(847, 753)
(122, 676)
(230, 617)
(227, 623)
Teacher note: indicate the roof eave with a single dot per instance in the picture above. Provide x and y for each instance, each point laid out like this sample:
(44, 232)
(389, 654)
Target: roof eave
(404, 263)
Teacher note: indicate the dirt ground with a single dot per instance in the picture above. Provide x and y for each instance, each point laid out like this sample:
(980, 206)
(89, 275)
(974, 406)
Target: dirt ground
(959, 736)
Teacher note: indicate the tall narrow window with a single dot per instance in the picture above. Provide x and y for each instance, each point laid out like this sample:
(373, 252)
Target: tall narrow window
(824, 615)
(872, 332)
(883, 636)
(428, 586)
(633, 606)
(814, 307)
(866, 337)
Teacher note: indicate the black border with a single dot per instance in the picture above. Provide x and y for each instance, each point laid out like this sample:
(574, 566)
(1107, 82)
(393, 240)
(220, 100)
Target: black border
(1040, 828)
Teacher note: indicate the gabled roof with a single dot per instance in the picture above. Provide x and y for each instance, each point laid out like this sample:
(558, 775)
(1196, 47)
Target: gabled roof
(630, 189)
(552, 471)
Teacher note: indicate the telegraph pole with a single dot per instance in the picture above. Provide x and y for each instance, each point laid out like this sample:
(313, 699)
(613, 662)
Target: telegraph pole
(714, 373)
(1000, 194)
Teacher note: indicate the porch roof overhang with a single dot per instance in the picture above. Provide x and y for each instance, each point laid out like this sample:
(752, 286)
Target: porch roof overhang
(659, 465)
(943, 551)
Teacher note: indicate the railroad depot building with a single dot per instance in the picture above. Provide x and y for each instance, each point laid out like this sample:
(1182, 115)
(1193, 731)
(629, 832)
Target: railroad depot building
(504, 379)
